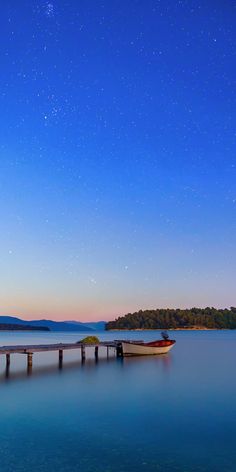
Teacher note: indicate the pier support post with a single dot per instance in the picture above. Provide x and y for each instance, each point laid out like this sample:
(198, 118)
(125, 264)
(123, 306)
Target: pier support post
(83, 353)
(60, 358)
(119, 352)
(8, 360)
(107, 352)
(96, 353)
(29, 360)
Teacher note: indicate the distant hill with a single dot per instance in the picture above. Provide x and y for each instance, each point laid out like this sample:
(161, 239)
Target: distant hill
(95, 325)
(51, 325)
(56, 325)
(21, 327)
(193, 318)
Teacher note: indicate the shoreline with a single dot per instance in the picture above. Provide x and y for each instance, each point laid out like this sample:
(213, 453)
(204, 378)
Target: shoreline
(170, 329)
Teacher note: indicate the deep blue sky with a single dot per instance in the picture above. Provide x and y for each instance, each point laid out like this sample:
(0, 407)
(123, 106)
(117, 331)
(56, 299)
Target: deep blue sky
(117, 167)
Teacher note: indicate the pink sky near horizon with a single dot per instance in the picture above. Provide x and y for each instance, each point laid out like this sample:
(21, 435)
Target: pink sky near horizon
(61, 315)
(52, 311)
(26, 315)
(27, 293)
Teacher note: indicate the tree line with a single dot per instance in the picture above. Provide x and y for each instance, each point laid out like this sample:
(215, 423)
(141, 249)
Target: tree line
(168, 318)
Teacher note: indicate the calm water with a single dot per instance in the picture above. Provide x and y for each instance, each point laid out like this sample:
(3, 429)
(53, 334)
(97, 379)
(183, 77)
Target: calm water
(169, 413)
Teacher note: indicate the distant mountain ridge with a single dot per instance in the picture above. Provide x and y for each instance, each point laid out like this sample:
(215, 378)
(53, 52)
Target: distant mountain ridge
(95, 325)
(75, 326)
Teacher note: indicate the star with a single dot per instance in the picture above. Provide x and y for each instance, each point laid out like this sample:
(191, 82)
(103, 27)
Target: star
(49, 9)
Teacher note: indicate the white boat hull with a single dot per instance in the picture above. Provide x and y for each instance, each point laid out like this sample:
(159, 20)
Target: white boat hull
(130, 349)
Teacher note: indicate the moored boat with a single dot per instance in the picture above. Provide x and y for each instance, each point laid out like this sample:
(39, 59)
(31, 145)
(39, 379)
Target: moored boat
(161, 346)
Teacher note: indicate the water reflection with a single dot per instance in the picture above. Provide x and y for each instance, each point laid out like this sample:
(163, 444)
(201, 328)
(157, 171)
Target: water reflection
(7, 371)
(84, 363)
(37, 371)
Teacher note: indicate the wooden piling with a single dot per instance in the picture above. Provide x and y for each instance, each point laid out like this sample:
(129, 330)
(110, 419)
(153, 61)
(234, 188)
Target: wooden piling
(60, 357)
(96, 352)
(119, 352)
(8, 360)
(107, 351)
(29, 359)
(83, 353)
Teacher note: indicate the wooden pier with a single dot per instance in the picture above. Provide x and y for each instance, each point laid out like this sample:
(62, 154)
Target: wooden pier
(29, 350)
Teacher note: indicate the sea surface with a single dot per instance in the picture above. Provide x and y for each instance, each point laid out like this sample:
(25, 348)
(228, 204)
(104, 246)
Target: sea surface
(175, 412)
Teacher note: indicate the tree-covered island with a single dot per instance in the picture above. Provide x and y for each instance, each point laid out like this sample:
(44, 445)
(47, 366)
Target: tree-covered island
(168, 318)
(19, 327)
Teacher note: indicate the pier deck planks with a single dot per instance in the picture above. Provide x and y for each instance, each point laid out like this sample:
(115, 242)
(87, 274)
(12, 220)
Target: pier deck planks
(25, 349)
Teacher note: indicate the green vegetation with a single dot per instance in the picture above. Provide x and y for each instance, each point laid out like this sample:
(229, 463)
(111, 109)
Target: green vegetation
(193, 318)
(90, 340)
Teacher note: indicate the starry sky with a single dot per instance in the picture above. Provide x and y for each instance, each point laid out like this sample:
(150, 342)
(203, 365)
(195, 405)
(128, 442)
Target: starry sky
(117, 157)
